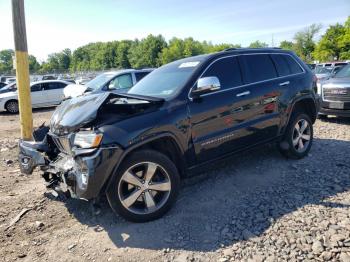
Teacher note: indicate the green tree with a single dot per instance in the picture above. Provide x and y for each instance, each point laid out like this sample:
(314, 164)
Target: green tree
(121, 58)
(328, 48)
(6, 62)
(344, 42)
(304, 44)
(288, 45)
(34, 65)
(180, 48)
(145, 53)
(258, 44)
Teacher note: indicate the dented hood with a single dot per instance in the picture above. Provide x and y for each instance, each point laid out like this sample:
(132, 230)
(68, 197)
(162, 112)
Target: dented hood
(75, 113)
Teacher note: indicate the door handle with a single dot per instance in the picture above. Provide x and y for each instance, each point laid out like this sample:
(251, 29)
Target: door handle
(284, 83)
(243, 94)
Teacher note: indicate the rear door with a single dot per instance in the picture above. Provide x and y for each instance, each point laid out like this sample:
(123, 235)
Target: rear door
(37, 96)
(219, 119)
(263, 89)
(54, 92)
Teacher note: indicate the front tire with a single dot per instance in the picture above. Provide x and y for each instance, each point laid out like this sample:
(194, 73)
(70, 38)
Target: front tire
(145, 186)
(298, 137)
(12, 107)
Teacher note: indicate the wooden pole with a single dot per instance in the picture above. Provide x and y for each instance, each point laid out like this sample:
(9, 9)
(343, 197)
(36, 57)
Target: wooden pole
(22, 69)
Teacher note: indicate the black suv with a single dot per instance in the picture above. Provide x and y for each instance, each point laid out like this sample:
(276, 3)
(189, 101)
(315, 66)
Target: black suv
(135, 147)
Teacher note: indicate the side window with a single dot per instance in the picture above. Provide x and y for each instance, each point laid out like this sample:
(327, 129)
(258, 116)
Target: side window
(123, 81)
(55, 85)
(293, 65)
(257, 68)
(35, 88)
(228, 72)
(281, 65)
(140, 75)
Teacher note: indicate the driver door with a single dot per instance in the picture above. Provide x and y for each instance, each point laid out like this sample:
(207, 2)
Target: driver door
(218, 119)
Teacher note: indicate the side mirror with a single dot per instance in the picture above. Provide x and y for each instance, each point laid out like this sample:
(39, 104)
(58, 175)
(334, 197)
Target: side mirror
(206, 85)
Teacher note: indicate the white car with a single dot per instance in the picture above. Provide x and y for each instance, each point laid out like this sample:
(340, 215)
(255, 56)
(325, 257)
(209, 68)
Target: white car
(119, 81)
(43, 93)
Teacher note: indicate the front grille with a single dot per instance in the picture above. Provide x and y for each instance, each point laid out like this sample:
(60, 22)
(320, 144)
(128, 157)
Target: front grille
(336, 94)
(63, 143)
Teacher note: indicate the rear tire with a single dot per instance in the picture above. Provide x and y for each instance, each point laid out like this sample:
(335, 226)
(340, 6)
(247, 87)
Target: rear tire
(12, 107)
(298, 136)
(145, 186)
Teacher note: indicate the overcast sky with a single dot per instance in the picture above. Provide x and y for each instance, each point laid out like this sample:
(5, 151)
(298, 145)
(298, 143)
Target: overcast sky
(55, 25)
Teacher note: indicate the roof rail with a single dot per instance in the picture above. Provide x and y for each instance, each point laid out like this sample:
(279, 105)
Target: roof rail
(234, 48)
(230, 49)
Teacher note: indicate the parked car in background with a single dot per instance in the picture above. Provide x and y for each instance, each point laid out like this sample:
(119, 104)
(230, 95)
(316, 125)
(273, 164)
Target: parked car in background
(311, 66)
(335, 94)
(10, 80)
(43, 93)
(83, 80)
(2, 84)
(119, 81)
(332, 64)
(135, 146)
(4, 78)
(323, 73)
(48, 77)
(9, 88)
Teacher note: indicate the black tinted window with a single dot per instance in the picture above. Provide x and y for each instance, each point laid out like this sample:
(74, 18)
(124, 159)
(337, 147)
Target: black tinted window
(140, 75)
(257, 68)
(35, 88)
(53, 85)
(281, 65)
(228, 72)
(293, 65)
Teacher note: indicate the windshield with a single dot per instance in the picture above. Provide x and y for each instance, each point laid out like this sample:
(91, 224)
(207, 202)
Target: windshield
(322, 70)
(166, 80)
(344, 72)
(99, 81)
(8, 88)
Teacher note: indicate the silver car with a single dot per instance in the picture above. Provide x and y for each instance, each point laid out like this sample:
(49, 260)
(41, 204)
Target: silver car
(335, 94)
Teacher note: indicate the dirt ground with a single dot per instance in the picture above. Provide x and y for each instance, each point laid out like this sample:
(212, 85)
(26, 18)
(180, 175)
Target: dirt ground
(256, 206)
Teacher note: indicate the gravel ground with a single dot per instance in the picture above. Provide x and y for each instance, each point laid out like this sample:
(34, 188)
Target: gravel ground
(256, 206)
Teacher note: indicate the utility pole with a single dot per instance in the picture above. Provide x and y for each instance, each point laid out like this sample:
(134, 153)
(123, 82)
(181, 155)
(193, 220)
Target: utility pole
(22, 69)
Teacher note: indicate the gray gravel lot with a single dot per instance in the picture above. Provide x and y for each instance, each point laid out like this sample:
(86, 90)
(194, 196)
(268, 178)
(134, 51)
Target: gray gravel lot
(255, 206)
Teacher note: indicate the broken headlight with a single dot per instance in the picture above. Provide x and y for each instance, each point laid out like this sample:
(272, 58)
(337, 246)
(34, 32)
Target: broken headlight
(87, 139)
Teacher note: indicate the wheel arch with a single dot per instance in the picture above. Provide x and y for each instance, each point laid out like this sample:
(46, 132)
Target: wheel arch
(165, 143)
(306, 104)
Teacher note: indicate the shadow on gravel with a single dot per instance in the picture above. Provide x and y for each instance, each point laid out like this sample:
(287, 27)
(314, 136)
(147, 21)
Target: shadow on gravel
(235, 200)
(336, 120)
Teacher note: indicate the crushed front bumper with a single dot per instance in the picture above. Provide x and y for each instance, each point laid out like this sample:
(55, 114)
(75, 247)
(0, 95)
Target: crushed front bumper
(82, 175)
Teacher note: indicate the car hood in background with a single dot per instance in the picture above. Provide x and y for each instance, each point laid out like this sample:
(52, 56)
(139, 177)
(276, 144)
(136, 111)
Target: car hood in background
(74, 90)
(337, 82)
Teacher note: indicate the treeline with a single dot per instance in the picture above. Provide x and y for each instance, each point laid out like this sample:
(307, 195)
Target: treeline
(154, 51)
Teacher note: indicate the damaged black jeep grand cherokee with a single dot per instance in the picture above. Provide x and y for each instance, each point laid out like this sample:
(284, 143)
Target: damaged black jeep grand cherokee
(135, 147)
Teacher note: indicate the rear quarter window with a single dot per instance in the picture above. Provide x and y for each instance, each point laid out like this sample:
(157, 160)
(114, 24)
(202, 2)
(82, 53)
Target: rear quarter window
(294, 67)
(282, 67)
(257, 68)
(140, 75)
